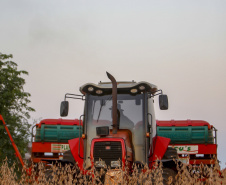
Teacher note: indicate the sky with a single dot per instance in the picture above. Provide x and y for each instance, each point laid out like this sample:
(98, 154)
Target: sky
(180, 46)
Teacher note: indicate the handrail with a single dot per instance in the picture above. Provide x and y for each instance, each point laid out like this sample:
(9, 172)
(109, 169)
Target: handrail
(80, 137)
(215, 134)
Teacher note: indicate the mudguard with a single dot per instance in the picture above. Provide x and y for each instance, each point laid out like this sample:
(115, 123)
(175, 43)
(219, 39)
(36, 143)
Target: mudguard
(160, 145)
(77, 154)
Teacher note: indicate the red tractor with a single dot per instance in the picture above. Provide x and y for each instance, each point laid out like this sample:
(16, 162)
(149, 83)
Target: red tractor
(119, 127)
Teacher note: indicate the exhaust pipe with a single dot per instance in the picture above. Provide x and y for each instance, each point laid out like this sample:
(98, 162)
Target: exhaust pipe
(114, 103)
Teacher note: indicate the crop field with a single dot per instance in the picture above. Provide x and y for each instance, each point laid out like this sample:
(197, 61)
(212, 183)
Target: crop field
(68, 175)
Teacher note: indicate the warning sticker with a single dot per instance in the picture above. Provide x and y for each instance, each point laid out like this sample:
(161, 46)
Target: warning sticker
(59, 148)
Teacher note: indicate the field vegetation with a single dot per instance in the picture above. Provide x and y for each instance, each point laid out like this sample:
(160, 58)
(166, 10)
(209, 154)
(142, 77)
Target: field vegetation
(69, 175)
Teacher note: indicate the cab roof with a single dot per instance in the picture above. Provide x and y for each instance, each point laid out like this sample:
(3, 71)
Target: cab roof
(122, 87)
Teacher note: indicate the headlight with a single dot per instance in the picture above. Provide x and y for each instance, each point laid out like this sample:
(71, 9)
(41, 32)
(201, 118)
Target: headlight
(100, 164)
(133, 91)
(115, 164)
(99, 91)
(90, 89)
(142, 87)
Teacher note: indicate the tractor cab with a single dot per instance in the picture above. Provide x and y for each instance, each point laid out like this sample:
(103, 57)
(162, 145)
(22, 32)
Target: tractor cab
(119, 123)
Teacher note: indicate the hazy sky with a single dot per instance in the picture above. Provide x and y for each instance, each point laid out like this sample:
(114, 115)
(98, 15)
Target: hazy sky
(178, 45)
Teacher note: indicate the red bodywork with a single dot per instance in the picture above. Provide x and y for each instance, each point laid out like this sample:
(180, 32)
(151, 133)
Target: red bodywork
(160, 145)
(206, 150)
(42, 148)
(109, 139)
(76, 152)
(122, 136)
(182, 123)
(59, 122)
(158, 152)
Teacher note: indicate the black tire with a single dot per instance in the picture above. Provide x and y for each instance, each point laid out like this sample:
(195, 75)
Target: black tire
(55, 176)
(68, 157)
(49, 175)
(139, 165)
(171, 153)
(169, 176)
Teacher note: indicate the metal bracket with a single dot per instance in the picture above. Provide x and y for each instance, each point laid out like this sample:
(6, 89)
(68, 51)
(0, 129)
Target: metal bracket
(73, 96)
(152, 95)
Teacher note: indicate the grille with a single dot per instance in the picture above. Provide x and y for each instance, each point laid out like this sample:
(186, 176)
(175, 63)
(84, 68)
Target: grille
(107, 151)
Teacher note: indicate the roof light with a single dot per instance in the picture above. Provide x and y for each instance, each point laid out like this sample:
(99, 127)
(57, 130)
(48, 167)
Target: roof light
(142, 87)
(133, 90)
(99, 91)
(90, 89)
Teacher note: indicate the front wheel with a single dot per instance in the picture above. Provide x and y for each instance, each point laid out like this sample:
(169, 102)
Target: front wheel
(169, 176)
(49, 175)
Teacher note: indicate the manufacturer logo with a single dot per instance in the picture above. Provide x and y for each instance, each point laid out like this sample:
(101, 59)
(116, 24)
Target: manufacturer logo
(59, 148)
(186, 149)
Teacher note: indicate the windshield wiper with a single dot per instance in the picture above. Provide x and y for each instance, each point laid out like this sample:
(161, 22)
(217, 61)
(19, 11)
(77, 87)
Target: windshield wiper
(103, 102)
(101, 105)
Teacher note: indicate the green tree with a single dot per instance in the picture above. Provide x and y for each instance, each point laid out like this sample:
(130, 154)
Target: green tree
(14, 108)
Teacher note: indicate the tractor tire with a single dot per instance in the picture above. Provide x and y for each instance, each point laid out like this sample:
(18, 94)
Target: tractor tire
(69, 157)
(171, 153)
(57, 177)
(169, 176)
(49, 175)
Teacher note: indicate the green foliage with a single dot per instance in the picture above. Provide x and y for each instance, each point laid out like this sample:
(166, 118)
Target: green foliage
(14, 109)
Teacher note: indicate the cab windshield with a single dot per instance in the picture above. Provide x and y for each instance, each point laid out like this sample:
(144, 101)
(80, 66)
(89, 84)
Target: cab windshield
(131, 117)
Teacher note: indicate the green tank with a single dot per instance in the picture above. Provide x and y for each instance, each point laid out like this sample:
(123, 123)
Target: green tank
(187, 135)
(57, 133)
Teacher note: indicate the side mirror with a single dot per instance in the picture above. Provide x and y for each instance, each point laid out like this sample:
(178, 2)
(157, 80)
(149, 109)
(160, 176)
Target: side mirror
(64, 108)
(163, 102)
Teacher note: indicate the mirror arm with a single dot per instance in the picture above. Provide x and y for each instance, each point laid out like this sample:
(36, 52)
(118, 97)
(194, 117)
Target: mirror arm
(152, 95)
(74, 96)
